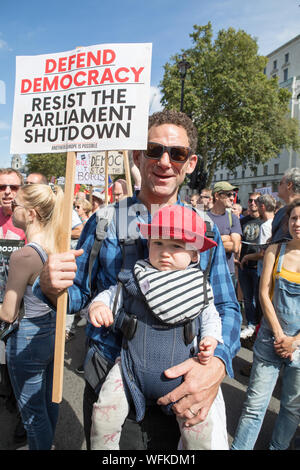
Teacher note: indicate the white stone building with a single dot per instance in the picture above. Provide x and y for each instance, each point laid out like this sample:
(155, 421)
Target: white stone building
(283, 63)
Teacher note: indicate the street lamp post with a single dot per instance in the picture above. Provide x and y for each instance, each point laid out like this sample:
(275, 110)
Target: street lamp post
(183, 66)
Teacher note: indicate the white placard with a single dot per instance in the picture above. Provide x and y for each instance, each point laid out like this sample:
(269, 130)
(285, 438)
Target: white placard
(265, 190)
(89, 99)
(90, 167)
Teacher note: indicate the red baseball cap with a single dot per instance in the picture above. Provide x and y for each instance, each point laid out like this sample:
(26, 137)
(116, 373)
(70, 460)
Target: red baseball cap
(178, 223)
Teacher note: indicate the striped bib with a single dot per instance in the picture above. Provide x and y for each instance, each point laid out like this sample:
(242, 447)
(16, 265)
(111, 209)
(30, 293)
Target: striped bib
(173, 296)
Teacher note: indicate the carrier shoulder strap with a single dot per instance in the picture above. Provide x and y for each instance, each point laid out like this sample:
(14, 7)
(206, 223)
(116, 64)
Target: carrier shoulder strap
(209, 234)
(104, 216)
(130, 246)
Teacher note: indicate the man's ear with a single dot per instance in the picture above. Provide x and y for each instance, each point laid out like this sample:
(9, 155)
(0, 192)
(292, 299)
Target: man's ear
(192, 162)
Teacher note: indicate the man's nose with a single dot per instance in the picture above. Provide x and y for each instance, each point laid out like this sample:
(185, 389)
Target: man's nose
(165, 160)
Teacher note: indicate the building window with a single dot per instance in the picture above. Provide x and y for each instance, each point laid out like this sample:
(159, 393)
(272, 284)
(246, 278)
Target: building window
(285, 74)
(286, 58)
(266, 170)
(255, 172)
(276, 169)
(274, 64)
(243, 173)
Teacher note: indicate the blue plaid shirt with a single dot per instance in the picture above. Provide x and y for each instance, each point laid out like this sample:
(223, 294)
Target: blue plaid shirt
(110, 260)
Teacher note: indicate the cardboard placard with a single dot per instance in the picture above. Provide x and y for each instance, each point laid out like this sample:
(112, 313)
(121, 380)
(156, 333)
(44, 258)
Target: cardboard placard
(88, 99)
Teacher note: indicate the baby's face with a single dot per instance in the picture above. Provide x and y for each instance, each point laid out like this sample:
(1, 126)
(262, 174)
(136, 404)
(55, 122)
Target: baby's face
(170, 255)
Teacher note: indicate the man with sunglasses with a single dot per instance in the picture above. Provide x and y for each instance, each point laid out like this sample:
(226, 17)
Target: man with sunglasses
(170, 155)
(248, 277)
(10, 181)
(228, 224)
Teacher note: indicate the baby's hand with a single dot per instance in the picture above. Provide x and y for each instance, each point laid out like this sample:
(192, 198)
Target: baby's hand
(100, 315)
(207, 348)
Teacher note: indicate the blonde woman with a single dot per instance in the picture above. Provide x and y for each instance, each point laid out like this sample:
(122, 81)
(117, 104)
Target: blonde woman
(30, 348)
(276, 348)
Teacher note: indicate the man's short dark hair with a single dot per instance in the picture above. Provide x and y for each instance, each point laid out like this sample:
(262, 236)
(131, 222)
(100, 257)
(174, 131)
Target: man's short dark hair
(177, 118)
(43, 179)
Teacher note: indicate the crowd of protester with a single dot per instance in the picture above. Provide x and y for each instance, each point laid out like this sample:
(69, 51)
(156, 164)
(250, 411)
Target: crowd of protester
(256, 250)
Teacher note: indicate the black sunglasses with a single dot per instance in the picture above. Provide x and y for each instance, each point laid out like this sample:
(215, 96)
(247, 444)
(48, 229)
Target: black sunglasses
(14, 205)
(252, 200)
(227, 194)
(13, 187)
(177, 154)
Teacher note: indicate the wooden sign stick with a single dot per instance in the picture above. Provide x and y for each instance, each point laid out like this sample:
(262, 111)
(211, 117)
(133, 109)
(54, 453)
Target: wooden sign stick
(127, 173)
(62, 301)
(106, 178)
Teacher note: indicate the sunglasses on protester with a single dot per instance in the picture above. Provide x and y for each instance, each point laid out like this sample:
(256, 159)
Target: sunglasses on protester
(177, 154)
(14, 205)
(13, 187)
(252, 200)
(227, 194)
(204, 197)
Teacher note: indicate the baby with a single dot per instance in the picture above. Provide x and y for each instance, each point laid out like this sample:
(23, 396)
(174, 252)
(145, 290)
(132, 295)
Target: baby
(164, 306)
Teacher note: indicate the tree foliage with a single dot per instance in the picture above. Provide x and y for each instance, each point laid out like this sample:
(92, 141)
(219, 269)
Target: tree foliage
(241, 115)
(49, 164)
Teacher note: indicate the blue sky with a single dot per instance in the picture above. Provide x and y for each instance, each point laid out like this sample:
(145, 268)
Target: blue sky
(34, 27)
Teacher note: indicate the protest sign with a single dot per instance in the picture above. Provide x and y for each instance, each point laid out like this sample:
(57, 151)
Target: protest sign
(88, 99)
(90, 167)
(265, 190)
(268, 190)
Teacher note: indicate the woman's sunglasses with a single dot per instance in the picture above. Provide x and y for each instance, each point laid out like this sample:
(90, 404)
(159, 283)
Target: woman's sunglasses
(176, 154)
(14, 205)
